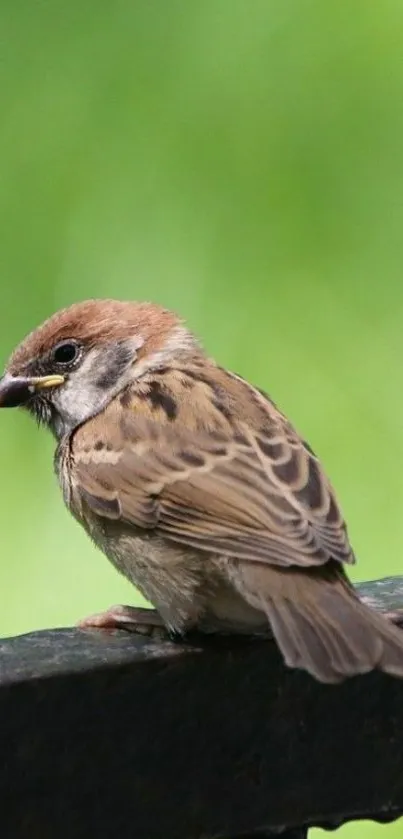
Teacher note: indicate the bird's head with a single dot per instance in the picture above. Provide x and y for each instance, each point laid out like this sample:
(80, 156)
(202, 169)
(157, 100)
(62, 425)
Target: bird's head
(69, 368)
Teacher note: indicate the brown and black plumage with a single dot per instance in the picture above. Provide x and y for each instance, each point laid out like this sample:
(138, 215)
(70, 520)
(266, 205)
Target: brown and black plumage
(196, 487)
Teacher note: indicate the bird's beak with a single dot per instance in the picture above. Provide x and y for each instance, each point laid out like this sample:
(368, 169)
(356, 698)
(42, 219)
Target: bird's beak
(17, 390)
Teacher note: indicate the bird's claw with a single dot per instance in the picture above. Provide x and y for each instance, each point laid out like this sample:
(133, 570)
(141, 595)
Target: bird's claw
(133, 619)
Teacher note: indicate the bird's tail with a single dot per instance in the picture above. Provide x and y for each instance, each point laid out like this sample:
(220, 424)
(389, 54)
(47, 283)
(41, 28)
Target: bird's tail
(319, 623)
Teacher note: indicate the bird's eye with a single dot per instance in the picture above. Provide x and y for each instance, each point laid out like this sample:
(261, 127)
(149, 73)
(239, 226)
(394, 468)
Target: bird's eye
(66, 353)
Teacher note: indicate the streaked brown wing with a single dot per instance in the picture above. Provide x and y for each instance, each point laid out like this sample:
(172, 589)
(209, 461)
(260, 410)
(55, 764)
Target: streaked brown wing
(249, 496)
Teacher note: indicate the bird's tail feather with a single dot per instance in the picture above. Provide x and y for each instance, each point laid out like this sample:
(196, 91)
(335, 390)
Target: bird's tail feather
(319, 623)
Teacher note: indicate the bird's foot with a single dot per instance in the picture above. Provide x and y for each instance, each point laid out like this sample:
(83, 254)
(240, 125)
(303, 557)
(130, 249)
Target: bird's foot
(134, 619)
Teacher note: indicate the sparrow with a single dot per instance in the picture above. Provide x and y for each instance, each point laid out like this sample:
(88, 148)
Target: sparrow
(196, 487)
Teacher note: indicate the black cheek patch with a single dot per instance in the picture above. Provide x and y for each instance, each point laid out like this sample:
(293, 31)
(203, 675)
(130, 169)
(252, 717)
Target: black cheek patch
(113, 363)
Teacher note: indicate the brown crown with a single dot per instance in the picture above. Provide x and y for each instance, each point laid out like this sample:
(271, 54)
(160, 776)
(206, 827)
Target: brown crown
(96, 321)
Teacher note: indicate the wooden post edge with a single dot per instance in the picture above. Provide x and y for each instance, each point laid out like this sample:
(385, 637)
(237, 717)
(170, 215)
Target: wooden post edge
(113, 734)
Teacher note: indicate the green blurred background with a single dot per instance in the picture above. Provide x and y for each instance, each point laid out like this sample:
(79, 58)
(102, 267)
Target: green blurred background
(242, 162)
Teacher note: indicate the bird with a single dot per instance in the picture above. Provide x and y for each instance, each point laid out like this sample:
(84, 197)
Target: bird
(197, 488)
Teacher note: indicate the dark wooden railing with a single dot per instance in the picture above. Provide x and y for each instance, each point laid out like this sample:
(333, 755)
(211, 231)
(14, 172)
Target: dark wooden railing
(111, 735)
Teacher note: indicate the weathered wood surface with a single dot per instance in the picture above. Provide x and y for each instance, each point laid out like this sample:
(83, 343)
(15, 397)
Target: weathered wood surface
(114, 735)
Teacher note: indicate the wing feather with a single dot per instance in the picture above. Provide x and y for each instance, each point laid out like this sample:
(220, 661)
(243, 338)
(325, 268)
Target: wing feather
(246, 495)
